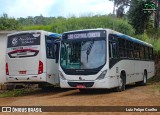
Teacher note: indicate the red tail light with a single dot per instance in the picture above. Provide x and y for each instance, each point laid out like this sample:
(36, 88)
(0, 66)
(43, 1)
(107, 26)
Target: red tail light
(7, 69)
(40, 69)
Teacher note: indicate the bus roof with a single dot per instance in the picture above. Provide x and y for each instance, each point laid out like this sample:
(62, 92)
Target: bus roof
(117, 34)
(133, 39)
(55, 35)
(28, 31)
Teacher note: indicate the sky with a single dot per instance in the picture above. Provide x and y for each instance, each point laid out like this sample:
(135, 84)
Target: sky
(55, 8)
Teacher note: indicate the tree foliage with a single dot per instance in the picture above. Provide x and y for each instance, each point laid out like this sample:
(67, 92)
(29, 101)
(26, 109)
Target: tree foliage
(38, 20)
(87, 22)
(7, 23)
(137, 18)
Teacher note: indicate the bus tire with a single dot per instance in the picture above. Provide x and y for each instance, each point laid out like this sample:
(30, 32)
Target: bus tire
(144, 82)
(121, 86)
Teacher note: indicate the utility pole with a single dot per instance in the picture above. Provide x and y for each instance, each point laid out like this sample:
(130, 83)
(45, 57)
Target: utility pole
(156, 17)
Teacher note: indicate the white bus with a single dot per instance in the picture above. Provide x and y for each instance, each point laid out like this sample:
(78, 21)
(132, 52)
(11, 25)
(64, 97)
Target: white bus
(103, 58)
(32, 57)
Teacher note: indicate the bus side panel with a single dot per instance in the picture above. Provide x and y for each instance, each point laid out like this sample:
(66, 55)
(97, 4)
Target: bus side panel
(123, 65)
(139, 70)
(134, 70)
(140, 66)
(151, 71)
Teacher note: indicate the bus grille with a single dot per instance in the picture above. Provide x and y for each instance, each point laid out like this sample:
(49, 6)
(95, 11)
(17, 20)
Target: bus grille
(86, 84)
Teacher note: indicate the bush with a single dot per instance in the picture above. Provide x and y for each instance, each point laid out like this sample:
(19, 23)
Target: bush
(37, 27)
(92, 23)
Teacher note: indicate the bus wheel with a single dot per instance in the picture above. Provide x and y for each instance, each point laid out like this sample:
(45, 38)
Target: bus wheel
(144, 82)
(121, 86)
(145, 79)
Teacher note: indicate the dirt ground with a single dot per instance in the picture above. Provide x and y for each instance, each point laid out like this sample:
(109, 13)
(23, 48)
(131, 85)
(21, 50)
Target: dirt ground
(132, 96)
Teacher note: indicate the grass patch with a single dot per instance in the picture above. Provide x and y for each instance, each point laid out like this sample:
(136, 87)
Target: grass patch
(18, 92)
(157, 87)
(153, 80)
(154, 83)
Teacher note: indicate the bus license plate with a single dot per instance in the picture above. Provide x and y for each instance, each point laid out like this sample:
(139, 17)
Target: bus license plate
(80, 86)
(22, 72)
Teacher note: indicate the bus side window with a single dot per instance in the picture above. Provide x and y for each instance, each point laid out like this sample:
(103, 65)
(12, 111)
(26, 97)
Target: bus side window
(113, 46)
(146, 53)
(153, 55)
(122, 47)
(136, 51)
(150, 54)
(49, 51)
(50, 48)
(112, 49)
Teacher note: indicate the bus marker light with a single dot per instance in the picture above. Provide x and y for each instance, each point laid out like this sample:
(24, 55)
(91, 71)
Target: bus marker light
(7, 69)
(40, 69)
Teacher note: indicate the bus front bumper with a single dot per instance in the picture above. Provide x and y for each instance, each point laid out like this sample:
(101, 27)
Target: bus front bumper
(107, 83)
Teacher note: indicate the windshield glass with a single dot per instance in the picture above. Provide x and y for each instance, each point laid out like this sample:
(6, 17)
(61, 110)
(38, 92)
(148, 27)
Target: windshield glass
(88, 54)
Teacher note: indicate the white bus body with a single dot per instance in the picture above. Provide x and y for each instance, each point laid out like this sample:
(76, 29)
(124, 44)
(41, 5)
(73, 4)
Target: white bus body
(103, 58)
(31, 57)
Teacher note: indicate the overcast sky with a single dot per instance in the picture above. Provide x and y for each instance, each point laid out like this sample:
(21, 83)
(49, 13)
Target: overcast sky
(54, 8)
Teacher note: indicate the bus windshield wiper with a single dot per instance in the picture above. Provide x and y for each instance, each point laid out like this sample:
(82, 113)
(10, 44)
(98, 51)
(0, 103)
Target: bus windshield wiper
(89, 49)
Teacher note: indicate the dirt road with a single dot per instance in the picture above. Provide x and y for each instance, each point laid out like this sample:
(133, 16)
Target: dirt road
(132, 96)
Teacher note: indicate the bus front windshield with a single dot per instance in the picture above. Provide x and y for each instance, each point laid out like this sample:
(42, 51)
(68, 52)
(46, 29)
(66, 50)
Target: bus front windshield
(86, 54)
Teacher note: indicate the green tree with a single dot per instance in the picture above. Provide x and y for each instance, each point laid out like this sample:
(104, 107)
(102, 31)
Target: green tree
(73, 23)
(7, 23)
(137, 18)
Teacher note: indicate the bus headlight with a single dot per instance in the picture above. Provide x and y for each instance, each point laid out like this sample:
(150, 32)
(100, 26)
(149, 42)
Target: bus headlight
(61, 75)
(102, 75)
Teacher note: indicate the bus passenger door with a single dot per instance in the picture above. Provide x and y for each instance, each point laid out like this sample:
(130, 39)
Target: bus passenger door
(52, 52)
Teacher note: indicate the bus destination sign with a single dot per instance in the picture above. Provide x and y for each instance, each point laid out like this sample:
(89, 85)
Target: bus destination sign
(85, 34)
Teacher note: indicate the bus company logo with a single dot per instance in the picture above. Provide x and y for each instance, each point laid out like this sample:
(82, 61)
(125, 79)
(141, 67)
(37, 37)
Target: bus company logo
(6, 109)
(80, 78)
(36, 35)
(14, 41)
